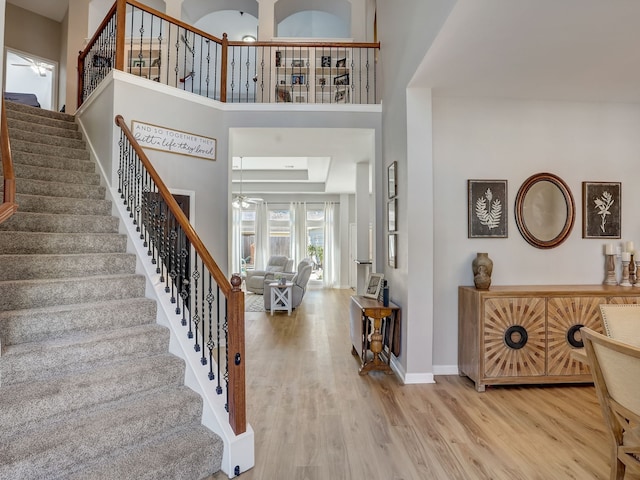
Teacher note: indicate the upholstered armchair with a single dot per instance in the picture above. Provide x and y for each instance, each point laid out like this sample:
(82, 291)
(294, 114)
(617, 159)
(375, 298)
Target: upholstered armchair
(254, 281)
(299, 279)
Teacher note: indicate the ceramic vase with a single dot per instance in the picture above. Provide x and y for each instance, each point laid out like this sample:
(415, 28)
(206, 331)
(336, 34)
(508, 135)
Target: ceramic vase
(482, 267)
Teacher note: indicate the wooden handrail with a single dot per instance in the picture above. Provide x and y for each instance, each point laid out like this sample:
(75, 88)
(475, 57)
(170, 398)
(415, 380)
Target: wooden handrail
(177, 212)
(9, 205)
(304, 44)
(232, 291)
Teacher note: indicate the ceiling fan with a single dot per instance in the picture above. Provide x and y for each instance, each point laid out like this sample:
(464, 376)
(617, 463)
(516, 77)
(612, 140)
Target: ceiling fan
(242, 201)
(40, 67)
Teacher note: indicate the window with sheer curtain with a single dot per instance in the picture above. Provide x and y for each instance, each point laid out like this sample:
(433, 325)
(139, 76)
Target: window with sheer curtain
(297, 231)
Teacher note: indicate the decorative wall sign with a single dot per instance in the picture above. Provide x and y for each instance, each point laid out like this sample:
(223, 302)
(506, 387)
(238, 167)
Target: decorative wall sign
(601, 210)
(165, 139)
(487, 208)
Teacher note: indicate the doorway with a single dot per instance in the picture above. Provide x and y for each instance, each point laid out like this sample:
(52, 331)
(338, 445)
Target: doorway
(29, 74)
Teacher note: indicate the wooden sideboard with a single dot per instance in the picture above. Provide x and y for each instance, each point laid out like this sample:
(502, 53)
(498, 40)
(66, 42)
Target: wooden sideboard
(511, 335)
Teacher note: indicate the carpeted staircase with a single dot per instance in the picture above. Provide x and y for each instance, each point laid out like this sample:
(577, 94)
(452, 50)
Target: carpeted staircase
(88, 389)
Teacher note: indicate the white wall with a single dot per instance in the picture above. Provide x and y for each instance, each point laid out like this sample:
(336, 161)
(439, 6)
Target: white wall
(406, 30)
(508, 139)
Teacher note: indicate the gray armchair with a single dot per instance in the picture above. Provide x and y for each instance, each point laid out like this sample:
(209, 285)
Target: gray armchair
(299, 279)
(254, 281)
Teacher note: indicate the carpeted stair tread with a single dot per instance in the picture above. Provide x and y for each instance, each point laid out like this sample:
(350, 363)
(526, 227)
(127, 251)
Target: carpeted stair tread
(36, 324)
(25, 403)
(35, 172)
(46, 204)
(186, 454)
(51, 243)
(16, 134)
(21, 294)
(79, 352)
(20, 123)
(47, 161)
(20, 110)
(59, 189)
(33, 147)
(32, 266)
(53, 449)
(59, 223)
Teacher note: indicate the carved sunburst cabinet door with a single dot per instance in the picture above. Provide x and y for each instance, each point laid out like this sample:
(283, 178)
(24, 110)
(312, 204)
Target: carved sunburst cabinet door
(514, 337)
(625, 300)
(565, 317)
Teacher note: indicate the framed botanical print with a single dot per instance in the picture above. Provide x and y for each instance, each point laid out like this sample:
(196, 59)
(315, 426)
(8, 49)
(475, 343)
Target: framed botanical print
(601, 209)
(487, 208)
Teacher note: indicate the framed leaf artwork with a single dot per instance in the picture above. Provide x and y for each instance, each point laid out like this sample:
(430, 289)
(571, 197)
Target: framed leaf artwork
(487, 208)
(601, 209)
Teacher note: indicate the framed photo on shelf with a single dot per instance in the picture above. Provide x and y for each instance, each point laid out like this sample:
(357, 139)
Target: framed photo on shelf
(297, 79)
(325, 61)
(138, 63)
(322, 81)
(487, 208)
(341, 63)
(392, 181)
(341, 79)
(391, 250)
(278, 58)
(391, 215)
(297, 63)
(283, 94)
(342, 95)
(374, 283)
(601, 209)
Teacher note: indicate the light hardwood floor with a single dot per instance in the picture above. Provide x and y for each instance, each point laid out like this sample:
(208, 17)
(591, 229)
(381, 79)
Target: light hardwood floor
(315, 418)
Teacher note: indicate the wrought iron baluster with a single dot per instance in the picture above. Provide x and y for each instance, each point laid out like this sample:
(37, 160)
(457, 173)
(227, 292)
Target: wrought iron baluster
(225, 330)
(194, 301)
(210, 299)
(233, 71)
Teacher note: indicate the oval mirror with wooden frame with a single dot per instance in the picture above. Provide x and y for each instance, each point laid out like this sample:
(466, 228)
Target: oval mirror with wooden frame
(545, 210)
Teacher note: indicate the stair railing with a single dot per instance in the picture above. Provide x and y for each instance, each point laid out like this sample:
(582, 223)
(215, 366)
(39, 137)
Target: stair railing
(211, 307)
(145, 42)
(9, 205)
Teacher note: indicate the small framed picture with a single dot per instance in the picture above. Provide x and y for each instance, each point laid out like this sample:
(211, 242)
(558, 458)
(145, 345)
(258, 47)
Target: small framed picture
(601, 209)
(374, 283)
(297, 63)
(342, 96)
(342, 63)
(391, 250)
(322, 81)
(487, 208)
(341, 79)
(278, 58)
(391, 179)
(391, 215)
(325, 61)
(297, 79)
(138, 63)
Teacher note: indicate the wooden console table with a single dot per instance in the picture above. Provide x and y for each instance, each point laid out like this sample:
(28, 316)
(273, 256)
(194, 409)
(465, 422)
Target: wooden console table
(530, 334)
(375, 353)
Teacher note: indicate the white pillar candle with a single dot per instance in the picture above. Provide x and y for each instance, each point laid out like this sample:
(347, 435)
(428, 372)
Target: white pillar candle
(626, 256)
(608, 249)
(628, 246)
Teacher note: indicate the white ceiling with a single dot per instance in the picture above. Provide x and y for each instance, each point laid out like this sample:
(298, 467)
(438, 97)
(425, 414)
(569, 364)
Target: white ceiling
(573, 50)
(53, 9)
(299, 160)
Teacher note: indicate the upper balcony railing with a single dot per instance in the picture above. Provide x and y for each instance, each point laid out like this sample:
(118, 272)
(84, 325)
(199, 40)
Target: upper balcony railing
(145, 42)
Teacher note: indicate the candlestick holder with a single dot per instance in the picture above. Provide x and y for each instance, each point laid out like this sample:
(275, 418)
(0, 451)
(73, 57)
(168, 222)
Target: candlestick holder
(632, 271)
(637, 281)
(610, 270)
(625, 274)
